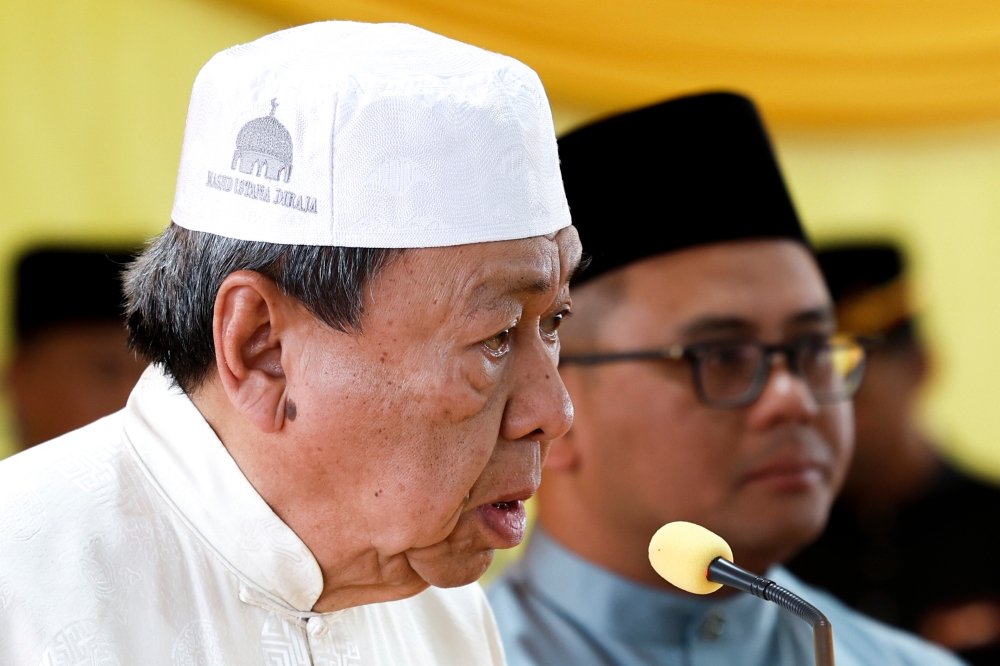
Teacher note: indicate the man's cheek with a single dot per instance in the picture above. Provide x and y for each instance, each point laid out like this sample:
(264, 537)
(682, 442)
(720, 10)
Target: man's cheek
(469, 420)
(468, 460)
(840, 436)
(689, 468)
(448, 396)
(456, 459)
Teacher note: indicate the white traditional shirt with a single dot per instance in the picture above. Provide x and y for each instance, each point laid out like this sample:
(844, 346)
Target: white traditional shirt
(137, 541)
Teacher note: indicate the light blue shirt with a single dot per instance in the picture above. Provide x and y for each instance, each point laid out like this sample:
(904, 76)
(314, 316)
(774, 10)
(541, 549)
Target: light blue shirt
(554, 608)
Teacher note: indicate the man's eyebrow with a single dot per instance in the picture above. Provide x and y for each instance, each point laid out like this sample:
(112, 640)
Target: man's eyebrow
(820, 315)
(581, 265)
(487, 296)
(715, 325)
(718, 325)
(536, 286)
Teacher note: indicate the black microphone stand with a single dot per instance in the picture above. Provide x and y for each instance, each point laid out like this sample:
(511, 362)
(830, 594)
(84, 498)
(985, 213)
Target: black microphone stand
(725, 572)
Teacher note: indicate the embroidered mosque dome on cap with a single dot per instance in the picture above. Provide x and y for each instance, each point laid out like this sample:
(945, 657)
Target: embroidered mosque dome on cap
(264, 146)
(400, 138)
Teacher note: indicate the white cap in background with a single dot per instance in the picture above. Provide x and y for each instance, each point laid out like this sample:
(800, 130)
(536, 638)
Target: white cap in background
(368, 135)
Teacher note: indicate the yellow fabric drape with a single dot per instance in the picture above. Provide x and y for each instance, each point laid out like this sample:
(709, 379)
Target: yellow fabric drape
(815, 63)
(95, 94)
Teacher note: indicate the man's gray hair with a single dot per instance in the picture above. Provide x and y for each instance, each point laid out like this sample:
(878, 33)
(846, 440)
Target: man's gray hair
(170, 291)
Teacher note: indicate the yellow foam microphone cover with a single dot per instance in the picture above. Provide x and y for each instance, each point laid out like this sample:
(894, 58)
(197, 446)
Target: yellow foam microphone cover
(681, 553)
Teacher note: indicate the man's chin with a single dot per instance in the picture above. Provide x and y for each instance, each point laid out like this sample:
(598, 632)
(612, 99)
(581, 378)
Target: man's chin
(776, 533)
(465, 555)
(451, 569)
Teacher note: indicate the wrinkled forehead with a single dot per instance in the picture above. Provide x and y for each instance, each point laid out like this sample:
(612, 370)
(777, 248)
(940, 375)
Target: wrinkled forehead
(482, 275)
(539, 266)
(762, 284)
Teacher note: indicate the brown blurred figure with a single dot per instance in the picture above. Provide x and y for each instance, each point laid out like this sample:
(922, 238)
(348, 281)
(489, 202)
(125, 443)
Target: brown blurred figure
(906, 540)
(71, 364)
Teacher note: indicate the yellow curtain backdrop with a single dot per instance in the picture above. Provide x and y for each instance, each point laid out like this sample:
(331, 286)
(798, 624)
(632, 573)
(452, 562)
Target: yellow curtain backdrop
(937, 191)
(886, 116)
(816, 63)
(93, 95)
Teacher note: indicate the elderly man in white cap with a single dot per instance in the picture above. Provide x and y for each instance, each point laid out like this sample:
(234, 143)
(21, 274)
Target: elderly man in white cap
(352, 324)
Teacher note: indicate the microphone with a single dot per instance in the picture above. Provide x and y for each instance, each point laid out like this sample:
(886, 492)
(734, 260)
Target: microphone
(699, 561)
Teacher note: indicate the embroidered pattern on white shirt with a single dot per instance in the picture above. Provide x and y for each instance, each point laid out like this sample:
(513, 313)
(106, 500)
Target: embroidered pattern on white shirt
(79, 644)
(112, 584)
(93, 474)
(198, 645)
(23, 518)
(283, 643)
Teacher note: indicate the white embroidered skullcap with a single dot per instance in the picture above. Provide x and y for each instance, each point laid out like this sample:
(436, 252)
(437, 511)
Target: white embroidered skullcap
(368, 135)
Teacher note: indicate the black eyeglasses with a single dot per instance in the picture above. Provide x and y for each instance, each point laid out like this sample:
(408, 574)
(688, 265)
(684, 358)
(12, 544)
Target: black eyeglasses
(732, 373)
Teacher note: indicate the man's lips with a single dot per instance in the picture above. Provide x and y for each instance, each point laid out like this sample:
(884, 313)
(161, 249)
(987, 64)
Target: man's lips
(505, 519)
(790, 475)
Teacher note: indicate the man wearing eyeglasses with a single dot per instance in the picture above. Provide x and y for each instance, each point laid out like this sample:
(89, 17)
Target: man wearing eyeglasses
(710, 385)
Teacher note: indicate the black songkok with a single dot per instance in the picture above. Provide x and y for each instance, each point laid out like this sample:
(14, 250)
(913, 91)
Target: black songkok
(853, 268)
(686, 172)
(57, 286)
(869, 287)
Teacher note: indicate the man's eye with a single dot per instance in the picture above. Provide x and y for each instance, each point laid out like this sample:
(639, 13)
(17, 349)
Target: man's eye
(732, 358)
(551, 325)
(498, 344)
(814, 343)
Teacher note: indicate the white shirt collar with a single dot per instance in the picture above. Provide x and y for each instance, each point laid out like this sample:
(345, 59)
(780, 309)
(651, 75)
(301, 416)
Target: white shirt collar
(193, 471)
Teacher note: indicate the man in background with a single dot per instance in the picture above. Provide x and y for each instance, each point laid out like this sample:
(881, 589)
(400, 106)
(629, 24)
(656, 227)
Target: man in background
(709, 385)
(907, 536)
(71, 364)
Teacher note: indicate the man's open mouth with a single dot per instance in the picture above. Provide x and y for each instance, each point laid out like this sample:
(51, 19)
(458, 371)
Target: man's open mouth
(506, 520)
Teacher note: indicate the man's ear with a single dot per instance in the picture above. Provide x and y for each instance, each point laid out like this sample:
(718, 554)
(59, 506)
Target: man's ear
(247, 327)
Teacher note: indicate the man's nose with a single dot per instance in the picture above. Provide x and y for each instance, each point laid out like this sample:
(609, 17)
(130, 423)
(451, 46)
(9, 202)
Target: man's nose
(786, 398)
(539, 407)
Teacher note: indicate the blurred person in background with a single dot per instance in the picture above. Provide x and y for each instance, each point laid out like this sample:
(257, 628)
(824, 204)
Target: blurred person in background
(71, 364)
(709, 386)
(907, 535)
